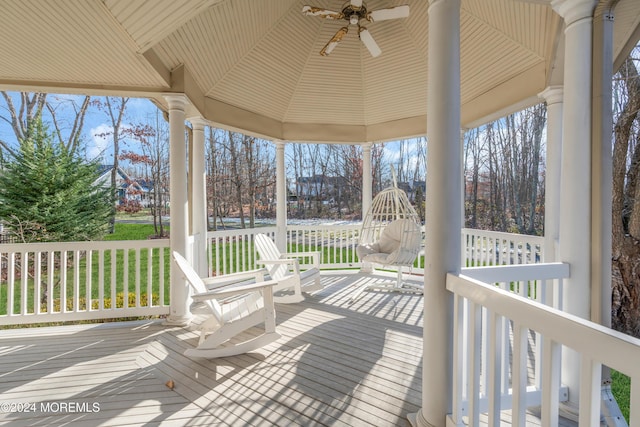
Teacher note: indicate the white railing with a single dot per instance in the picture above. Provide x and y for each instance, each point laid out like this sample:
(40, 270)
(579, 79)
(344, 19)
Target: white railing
(52, 282)
(482, 247)
(496, 330)
(336, 243)
(81, 280)
(231, 251)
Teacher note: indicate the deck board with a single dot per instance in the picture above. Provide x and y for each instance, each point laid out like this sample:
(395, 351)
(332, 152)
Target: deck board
(338, 363)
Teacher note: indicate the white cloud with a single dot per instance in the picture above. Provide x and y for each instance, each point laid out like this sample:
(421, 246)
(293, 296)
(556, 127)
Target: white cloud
(100, 142)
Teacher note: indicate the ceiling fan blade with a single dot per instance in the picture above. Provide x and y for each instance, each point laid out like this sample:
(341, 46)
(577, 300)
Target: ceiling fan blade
(390, 13)
(328, 48)
(356, 3)
(323, 13)
(369, 42)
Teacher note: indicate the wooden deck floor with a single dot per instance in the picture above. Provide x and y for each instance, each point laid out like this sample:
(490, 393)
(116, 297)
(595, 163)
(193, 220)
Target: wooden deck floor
(337, 364)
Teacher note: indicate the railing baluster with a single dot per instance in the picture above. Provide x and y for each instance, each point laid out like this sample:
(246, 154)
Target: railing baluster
(37, 279)
(589, 403)
(550, 382)
(114, 278)
(63, 281)
(50, 276)
(125, 278)
(493, 371)
(88, 280)
(24, 280)
(101, 273)
(149, 278)
(473, 370)
(519, 376)
(458, 358)
(76, 280)
(138, 290)
(11, 283)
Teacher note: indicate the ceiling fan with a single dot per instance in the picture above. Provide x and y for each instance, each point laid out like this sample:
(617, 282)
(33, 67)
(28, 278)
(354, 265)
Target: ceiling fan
(353, 12)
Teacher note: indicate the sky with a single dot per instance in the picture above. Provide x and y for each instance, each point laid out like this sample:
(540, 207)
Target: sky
(97, 127)
(97, 121)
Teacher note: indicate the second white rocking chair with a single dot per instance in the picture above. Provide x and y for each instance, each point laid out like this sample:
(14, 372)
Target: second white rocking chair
(232, 309)
(285, 269)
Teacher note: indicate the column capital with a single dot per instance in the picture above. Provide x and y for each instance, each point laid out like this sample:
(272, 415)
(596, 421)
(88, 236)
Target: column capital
(198, 122)
(279, 143)
(574, 10)
(177, 101)
(552, 94)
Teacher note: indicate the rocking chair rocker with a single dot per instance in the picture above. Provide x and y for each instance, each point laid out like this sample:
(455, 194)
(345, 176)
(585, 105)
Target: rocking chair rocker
(232, 309)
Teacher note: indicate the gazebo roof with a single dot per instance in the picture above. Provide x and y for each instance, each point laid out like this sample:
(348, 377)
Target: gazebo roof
(255, 65)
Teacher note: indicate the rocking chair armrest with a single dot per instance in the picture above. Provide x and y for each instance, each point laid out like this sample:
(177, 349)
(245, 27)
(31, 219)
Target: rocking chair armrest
(294, 262)
(235, 290)
(229, 279)
(277, 261)
(314, 254)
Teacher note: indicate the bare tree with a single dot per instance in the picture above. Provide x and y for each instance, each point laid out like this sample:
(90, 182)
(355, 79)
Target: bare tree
(19, 114)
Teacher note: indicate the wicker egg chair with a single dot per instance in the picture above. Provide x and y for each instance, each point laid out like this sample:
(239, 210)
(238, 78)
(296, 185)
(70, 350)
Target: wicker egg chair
(391, 236)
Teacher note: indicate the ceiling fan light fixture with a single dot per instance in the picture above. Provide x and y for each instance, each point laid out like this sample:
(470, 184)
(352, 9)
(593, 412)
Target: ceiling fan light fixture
(337, 37)
(369, 42)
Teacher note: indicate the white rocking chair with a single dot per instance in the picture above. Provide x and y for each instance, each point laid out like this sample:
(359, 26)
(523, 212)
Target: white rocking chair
(391, 236)
(232, 308)
(285, 269)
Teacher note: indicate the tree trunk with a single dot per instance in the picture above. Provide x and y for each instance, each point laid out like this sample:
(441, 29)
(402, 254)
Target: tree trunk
(625, 304)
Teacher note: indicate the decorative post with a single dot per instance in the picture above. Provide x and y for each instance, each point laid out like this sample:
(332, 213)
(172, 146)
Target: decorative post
(179, 309)
(443, 210)
(553, 96)
(198, 178)
(281, 198)
(575, 186)
(367, 179)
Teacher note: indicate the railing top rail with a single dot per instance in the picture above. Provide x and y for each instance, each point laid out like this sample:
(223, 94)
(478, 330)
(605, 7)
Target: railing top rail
(91, 244)
(503, 235)
(518, 272)
(615, 349)
(240, 231)
(326, 226)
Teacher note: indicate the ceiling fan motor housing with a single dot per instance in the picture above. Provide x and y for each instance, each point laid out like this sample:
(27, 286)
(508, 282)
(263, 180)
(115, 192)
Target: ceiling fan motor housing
(353, 13)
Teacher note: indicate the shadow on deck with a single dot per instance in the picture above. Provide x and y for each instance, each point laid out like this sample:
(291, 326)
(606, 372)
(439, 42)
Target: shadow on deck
(337, 364)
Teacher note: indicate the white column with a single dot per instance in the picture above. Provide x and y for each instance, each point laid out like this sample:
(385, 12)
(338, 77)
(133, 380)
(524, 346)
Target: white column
(367, 179)
(575, 204)
(281, 198)
(553, 96)
(443, 210)
(179, 310)
(198, 192)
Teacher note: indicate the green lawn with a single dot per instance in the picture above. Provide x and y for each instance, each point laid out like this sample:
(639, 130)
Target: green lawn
(621, 389)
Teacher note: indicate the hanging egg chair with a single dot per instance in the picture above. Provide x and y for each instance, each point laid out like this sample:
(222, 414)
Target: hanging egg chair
(391, 236)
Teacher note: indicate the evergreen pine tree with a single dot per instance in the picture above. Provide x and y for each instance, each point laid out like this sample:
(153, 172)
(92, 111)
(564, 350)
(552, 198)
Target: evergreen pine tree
(49, 194)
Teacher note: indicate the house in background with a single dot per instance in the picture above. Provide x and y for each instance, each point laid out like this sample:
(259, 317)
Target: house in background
(129, 190)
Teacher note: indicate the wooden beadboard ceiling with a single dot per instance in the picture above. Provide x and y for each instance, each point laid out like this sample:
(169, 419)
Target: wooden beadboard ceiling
(254, 65)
